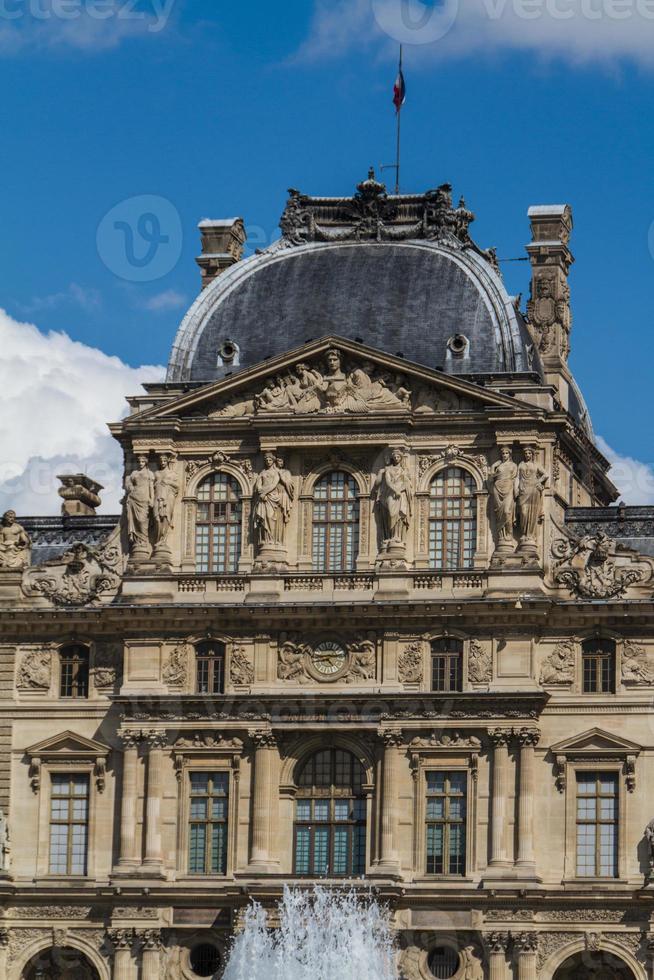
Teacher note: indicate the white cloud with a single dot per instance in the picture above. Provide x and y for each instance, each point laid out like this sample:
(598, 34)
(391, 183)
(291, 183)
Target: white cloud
(85, 297)
(56, 397)
(170, 299)
(78, 25)
(634, 480)
(578, 31)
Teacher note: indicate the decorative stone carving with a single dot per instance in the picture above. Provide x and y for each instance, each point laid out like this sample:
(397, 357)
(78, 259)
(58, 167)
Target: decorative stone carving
(363, 661)
(175, 672)
(293, 658)
(452, 454)
(588, 566)
(4, 842)
(273, 501)
(166, 490)
(80, 577)
(480, 664)
(446, 741)
(219, 459)
(139, 504)
(394, 504)
(263, 739)
(497, 942)
(636, 668)
(35, 671)
(559, 667)
(50, 911)
(525, 942)
(531, 482)
(410, 666)
(503, 479)
(207, 740)
(106, 665)
(550, 943)
(15, 543)
(471, 964)
(241, 669)
(291, 663)
(121, 938)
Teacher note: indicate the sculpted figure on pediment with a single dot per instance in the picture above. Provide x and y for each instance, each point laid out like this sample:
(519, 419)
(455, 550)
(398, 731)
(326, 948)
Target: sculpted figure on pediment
(14, 543)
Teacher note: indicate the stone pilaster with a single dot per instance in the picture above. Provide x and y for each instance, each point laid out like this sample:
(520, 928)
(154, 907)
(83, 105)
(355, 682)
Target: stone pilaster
(265, 801)
(128, 859)
(500, 739)
(121, 941)
(153, 861)
(150, 941)
(525, 946)
(497, 944)
(4, 951)
(388, 863)
(526, 861)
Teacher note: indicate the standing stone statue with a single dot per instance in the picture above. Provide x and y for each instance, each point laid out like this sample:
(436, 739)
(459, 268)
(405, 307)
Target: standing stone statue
(15, 543)
(503, 479)
(392, 489)
(649, 835)
(166, 490)
(273, 493)
(139, 501)
(531, 482)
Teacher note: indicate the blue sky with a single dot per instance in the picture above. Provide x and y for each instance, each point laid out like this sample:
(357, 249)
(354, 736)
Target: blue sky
(222, 107)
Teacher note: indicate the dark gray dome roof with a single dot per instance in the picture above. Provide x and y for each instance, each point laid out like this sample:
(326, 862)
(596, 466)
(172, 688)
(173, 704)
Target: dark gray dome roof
(409, 297)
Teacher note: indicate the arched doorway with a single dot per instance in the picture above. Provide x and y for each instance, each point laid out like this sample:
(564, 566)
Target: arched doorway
(594, 966)
(60, 963)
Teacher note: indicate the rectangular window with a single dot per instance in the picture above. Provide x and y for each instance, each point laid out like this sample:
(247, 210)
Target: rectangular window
(208, 823)
(597, 825)
(446, 823)
(69, 824)
(598, 658)
(446, 665)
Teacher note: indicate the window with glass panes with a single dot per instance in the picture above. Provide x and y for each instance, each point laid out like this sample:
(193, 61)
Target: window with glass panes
(452, 519)
(446, 823)
(330, 816)
(69, 824)
(335, 523)
(74, 671)
(597, 825)
(598, 662)
(210, 667)
(218, 525)
(446, 664)
(209, 800)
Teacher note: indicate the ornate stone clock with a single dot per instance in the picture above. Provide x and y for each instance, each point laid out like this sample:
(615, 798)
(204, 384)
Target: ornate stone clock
(328, 659)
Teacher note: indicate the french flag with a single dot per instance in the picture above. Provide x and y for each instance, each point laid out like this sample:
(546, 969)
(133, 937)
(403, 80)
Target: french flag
(399, 90)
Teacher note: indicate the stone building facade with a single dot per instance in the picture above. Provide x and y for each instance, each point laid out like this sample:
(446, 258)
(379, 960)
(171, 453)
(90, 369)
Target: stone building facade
(370, 614)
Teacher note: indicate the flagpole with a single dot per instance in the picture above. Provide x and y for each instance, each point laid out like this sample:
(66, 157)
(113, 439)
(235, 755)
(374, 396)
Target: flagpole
(399, 137)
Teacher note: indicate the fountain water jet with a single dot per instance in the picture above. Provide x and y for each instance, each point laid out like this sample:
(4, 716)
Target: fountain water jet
(323, 935)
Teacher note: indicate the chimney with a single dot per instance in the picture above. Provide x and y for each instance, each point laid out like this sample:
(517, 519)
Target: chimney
(548, 310)
(80, 495)
(222, 246)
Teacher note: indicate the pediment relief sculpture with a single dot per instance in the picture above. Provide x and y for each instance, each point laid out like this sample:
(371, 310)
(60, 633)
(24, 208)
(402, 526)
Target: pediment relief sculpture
(15, 543)
(592, 567)
(82, 576)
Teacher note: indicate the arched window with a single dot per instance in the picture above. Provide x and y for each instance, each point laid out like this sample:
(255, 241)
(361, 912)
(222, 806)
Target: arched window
(210, 667)
(330, 816)
(335, 523)
(218, 525)
(598, 660)
(452, 519)
(74, 671)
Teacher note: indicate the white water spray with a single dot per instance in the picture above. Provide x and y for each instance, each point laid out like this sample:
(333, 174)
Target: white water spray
(323, 935)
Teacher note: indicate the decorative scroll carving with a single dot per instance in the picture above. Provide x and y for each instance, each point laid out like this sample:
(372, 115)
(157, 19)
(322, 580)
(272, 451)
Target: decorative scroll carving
(241, 669)
(49, 911)
(219, 459)
(636, 668)
(587, 566)
(550, 943)
(480, 664)
(82, 576)
(452, 454)
(139, 504)
(410, 666)
(175, 672)
(559, 667)
(15, 543)
(35, 671)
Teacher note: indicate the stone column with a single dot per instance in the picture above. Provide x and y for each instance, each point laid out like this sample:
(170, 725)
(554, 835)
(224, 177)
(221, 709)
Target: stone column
(497, 944)
(649, 946)
(4, 951)
(393, 747)
(499, 800)
(128, 858)
(265, 796)
(150, 954)
(526, 946)
(153, 862)
(121, 940)
(528, 739)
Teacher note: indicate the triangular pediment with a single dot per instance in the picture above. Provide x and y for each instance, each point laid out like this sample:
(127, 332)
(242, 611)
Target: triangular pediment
(596, 740)
(68, 744)
(335, 376)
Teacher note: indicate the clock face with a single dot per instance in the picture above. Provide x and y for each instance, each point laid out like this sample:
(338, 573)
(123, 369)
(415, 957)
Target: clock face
(328, 658)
